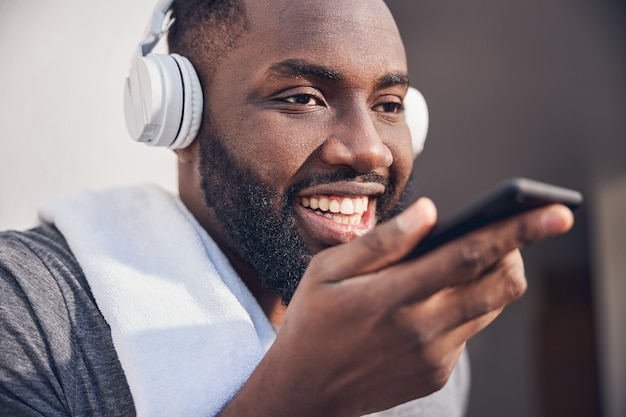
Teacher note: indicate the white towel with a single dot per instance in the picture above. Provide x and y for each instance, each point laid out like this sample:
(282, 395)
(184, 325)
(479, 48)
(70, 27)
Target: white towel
(186, 329)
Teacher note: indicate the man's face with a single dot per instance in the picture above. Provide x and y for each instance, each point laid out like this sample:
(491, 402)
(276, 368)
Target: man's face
(305, 144)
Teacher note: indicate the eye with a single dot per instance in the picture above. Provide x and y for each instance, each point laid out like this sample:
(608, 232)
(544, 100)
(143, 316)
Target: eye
(390, 107)
(304, 99)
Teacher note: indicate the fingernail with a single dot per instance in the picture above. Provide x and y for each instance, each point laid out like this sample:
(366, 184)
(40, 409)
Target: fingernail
(557, 220)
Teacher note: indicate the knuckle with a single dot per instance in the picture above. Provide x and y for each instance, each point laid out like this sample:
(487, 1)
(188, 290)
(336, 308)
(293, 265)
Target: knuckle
(421, 337)
(436, 382)
(441, 378)
(376, 242)
(434, 360)
(516, 287)
(419, 332)
(478, 307)
(422, 333)
(525, 234)
(513, 276)
(527, 231)
(475, 255)
(438, 371)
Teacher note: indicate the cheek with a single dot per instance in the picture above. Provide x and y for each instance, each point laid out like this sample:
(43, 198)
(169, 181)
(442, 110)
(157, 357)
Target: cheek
(401, 171)
(402, 151)
(404, 161)
(275, 147)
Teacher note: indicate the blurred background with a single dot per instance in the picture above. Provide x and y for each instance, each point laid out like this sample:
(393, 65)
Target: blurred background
(533, 88)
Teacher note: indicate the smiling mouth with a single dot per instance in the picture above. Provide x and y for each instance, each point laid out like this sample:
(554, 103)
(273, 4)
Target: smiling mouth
(341, 210)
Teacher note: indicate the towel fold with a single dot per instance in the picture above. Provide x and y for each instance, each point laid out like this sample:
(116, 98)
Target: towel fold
(187, 331)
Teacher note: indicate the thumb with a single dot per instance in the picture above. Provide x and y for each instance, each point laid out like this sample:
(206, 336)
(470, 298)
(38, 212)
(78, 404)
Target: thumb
(384, 245)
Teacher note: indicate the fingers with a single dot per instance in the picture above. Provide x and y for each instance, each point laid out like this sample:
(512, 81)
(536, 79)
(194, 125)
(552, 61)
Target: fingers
(471, 256)
(480, 301)
(556, 220)
(453, 315)
(454, 292)
(384, 245)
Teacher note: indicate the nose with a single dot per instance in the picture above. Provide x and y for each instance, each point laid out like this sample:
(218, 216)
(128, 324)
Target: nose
(354, 141)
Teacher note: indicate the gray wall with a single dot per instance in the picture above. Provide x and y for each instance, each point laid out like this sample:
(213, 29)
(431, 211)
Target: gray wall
(62, 68)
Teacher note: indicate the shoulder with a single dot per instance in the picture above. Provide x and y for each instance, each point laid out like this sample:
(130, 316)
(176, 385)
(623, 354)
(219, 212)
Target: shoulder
(56, 345)
(37, 267)
(42, 248)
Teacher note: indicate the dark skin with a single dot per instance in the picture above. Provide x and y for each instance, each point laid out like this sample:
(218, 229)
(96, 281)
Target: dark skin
(312, 90)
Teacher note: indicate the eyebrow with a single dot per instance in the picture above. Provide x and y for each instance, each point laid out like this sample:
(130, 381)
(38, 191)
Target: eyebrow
(294, 68)
(390, 80)
(299, 68)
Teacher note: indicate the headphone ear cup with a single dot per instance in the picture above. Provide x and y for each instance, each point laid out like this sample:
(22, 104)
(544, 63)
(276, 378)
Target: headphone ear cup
(163, 101)
(416, 116)
(192, 104)
(153, 100)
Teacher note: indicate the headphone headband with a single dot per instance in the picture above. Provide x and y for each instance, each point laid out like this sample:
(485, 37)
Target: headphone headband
(156, 28)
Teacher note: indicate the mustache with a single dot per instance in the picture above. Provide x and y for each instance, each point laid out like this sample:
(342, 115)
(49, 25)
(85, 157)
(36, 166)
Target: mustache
(337, 176)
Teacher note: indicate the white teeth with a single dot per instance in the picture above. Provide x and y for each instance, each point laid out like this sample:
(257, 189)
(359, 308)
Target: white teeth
(341, 219)
(346, 210)
(324, 204)
(347, 206)
(360, 205)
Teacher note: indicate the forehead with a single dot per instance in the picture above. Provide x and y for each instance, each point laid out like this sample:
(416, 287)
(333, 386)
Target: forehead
(351, 35)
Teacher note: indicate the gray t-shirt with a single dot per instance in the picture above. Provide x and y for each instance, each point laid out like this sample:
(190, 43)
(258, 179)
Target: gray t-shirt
(57, 355)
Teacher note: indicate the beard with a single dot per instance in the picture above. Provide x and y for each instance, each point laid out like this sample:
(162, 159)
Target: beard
(261, 221)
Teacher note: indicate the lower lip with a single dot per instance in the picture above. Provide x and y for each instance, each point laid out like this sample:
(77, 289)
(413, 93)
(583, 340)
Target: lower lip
(327, 232)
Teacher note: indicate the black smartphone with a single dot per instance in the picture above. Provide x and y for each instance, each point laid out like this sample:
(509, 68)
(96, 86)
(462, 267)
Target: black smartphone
(508, 198)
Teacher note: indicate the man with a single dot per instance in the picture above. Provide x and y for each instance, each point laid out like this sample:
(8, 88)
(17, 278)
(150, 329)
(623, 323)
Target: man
(296, 175)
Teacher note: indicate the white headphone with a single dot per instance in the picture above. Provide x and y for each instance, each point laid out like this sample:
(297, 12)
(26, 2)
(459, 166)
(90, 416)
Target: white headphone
(162, 94)
(163, 97)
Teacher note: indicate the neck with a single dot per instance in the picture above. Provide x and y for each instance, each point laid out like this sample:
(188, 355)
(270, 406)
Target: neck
(189, 188)
(270, 302)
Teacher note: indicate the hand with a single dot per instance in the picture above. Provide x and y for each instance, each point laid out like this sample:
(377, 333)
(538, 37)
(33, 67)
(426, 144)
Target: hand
(365, 332)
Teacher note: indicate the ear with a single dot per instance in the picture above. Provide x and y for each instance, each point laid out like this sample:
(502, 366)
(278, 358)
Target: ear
(187, 155)
(416, 116)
